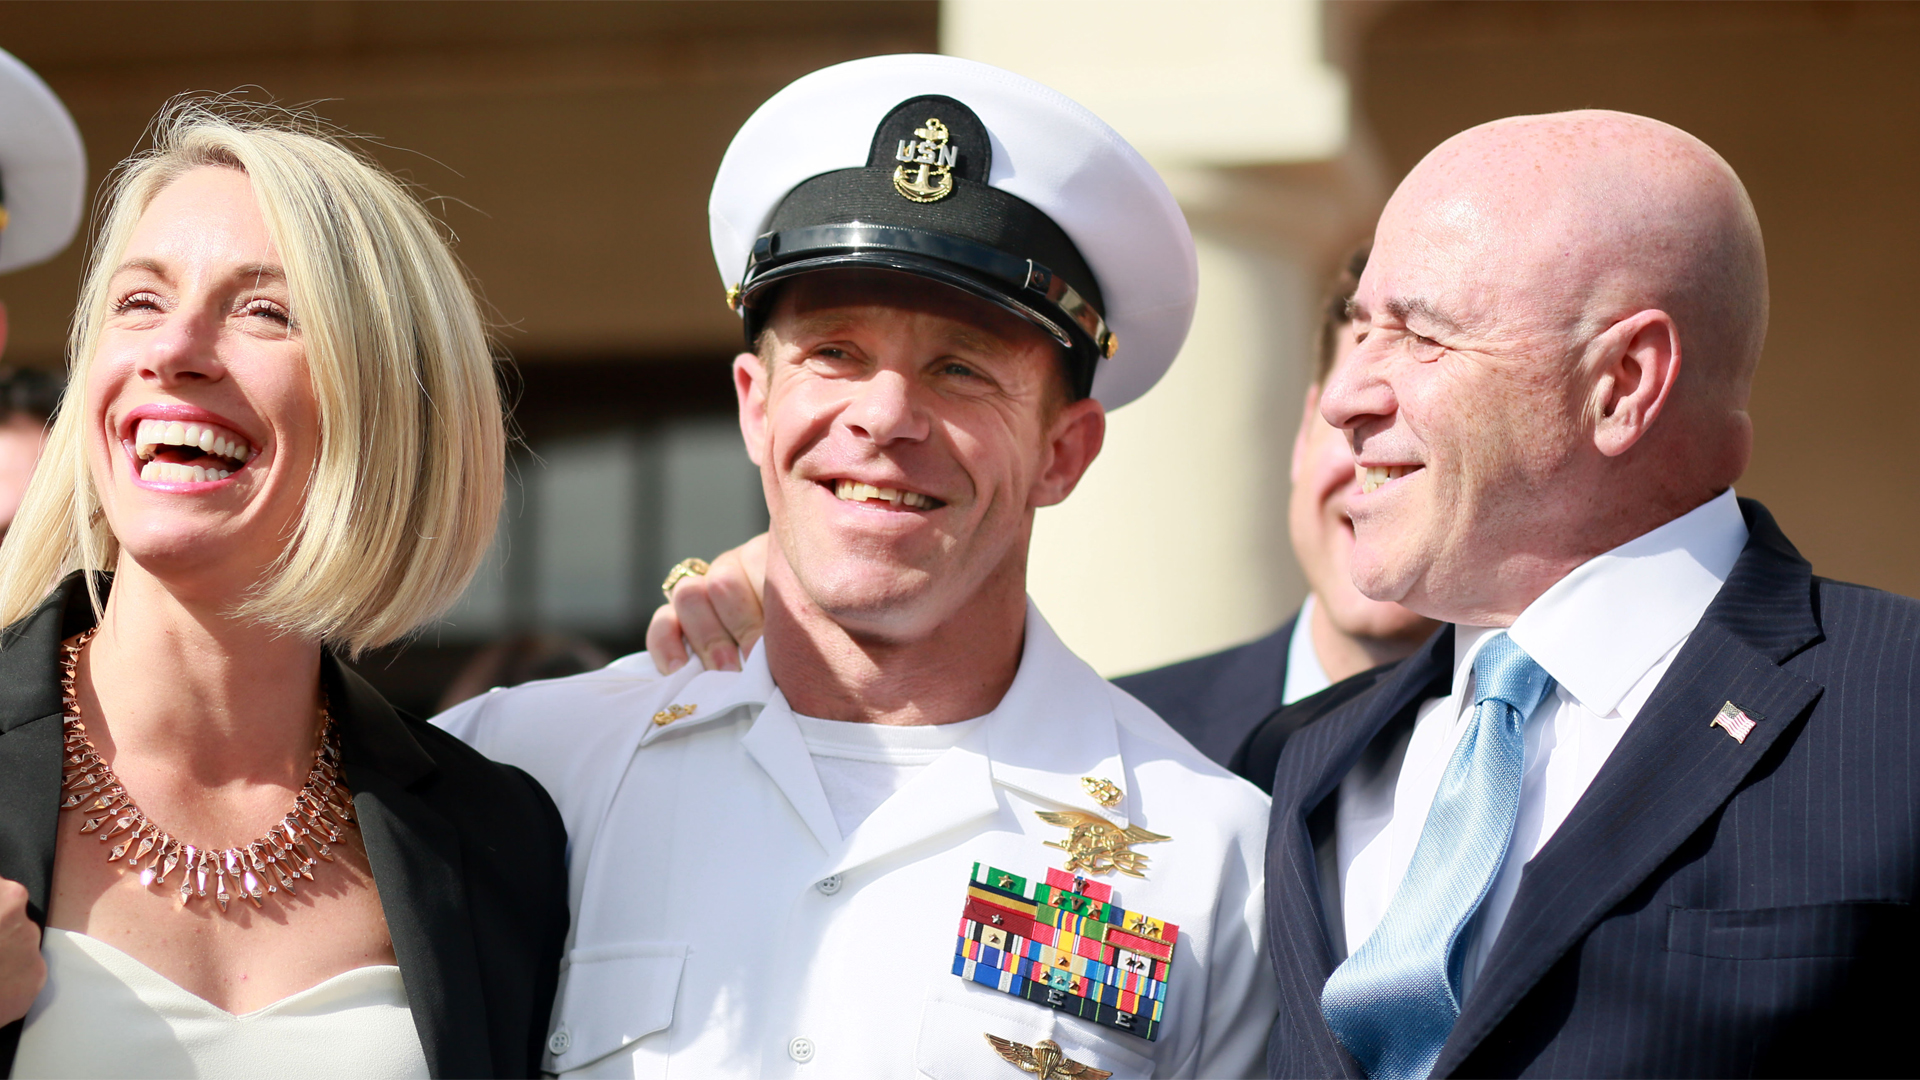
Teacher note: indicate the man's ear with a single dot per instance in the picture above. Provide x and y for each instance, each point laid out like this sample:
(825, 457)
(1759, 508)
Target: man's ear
(1636, 362)
(1309, 422)
(1073, 441)
(750, 384)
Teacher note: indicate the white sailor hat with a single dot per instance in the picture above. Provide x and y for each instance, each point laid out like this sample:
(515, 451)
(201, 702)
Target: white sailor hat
(973, 176)
(43, 169)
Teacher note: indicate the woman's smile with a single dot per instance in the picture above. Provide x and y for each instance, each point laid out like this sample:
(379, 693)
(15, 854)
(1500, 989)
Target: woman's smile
(181, 448)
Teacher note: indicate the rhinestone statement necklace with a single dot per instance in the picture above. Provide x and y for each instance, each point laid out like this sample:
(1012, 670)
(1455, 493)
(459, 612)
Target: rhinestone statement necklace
(320, 816)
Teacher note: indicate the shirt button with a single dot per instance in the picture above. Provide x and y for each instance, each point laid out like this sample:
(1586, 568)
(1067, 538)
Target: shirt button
(560, 1041)
(800, 1049)
(829, 884)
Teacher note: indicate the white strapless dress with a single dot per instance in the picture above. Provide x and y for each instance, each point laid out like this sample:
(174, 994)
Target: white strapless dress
(105, 1014)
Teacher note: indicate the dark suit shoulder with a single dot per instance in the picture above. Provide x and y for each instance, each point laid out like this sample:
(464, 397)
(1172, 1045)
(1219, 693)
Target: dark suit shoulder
(1259, 755)
(1854, 605)
(470, 859)
(487, 793)
(1215, 700)
(1867, 654)
(513, 847)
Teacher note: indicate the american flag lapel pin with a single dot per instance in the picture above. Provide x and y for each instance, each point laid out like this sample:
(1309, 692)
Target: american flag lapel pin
(1734, 721)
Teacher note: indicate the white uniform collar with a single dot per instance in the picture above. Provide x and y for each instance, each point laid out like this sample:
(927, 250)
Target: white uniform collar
(1054, 725)
(1600, 629)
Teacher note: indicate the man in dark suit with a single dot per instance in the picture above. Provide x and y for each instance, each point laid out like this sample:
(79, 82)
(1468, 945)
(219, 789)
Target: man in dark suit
(1647, 805)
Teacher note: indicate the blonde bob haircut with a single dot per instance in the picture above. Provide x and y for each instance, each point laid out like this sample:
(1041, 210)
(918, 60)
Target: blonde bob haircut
(405, 490)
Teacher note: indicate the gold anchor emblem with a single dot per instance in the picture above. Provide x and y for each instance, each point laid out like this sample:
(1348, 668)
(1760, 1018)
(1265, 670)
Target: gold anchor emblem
(1044, 1059)
(932, 161)
(1098, 845)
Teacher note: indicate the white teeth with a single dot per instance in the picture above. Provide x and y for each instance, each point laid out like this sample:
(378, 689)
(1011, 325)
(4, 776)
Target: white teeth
(855, 491)
(150, 435)
(1371, 477)
(163, 472)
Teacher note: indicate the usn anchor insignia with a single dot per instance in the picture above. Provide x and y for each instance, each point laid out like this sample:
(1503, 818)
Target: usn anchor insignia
(1044, 1059)
(931, 162)
(1098, 845)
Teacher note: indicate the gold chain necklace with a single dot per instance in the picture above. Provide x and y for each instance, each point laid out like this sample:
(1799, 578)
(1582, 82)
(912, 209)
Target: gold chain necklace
(321, 813)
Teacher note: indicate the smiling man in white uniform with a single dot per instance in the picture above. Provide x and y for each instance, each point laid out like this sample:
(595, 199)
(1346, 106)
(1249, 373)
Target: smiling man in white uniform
(915, 835)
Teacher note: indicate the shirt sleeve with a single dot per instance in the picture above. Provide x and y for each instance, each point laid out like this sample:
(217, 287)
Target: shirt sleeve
(1242, 995)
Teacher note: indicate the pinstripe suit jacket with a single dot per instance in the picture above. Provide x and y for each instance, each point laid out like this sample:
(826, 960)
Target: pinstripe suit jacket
(1710, 907)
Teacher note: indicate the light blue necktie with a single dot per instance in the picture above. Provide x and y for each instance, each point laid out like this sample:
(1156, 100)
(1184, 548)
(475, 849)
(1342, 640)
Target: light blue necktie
(1393, 1003)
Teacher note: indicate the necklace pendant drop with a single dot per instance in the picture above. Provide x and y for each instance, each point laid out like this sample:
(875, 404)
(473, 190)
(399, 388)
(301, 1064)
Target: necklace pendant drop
(322, 808)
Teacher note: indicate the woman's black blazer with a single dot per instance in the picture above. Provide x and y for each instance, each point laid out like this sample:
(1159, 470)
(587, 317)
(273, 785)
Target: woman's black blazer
(469, 855)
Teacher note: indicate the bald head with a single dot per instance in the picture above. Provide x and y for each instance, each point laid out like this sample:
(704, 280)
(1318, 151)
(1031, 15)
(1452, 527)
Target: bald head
(1560, 324)
(1593, 215)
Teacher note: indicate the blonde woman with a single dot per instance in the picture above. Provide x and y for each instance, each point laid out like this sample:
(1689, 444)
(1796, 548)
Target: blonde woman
(282, 441)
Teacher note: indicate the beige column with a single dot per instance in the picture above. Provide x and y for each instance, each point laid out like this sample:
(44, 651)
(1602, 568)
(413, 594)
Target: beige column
(1176, 542)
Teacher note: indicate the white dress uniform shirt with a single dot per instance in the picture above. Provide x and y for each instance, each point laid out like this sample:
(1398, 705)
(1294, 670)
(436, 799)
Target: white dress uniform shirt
(1606, 633)
(723, 926)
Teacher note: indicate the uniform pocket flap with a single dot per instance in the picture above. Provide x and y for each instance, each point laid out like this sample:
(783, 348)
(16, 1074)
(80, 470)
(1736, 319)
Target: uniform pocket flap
(611, 996)
(954, 1043)
(1780, 933)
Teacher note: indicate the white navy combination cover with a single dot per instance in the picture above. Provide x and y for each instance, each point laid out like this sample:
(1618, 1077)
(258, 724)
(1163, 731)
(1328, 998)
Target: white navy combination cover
(723, 927)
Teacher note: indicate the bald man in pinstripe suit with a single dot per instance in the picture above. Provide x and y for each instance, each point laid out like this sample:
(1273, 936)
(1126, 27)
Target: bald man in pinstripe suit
(1689, 847)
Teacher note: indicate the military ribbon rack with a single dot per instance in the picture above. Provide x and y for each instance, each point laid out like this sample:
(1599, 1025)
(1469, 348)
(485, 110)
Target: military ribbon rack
(1065, 944)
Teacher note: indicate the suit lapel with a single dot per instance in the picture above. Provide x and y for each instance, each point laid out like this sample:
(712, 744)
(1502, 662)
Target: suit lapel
(30, 752)
(1670, 773)
(30, 741)
(415, 855)
(1310, 769)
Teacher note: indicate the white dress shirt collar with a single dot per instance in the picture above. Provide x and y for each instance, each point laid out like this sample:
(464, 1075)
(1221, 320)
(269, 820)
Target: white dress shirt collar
(1305, 675)
(1597, 647)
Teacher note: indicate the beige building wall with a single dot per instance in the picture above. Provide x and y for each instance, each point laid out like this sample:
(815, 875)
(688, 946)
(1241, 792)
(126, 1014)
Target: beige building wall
(1176, 542)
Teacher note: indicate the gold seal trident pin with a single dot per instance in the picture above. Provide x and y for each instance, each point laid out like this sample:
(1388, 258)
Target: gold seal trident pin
(932, 161)
(1098, 845)
(1044, 1059)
